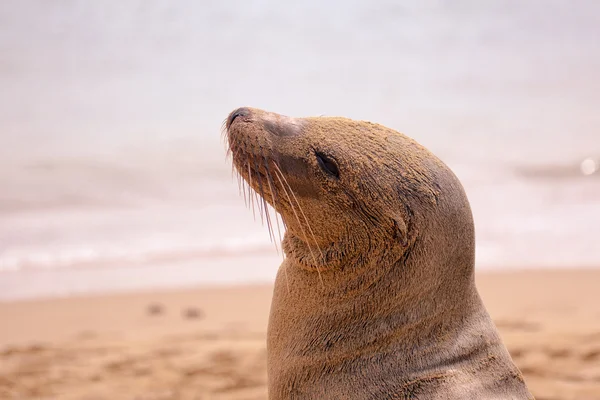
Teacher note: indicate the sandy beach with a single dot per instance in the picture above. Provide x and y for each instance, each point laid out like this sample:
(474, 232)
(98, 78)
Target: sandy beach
(209, 343)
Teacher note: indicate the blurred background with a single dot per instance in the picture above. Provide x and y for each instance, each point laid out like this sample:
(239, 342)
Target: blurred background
(112, 168)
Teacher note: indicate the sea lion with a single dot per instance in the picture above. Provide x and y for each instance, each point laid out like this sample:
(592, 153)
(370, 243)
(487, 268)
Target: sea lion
(376, 297)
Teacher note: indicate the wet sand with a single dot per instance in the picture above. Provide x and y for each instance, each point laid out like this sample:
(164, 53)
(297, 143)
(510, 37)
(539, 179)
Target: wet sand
(209, 343)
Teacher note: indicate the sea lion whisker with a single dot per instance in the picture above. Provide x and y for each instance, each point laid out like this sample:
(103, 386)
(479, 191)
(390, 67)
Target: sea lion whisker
(280, 176)
(225, 129)
(273, 191)
(234, 172)
(234, 152)
(264, 202)
(259, 195)
(285, 191)
(270, 221)
(228, 151)
(229, 145)
(269, 224)
(256, 199)
(242, 185)
(301, 211)
(239, 181)
(243, 189)
(250, 189)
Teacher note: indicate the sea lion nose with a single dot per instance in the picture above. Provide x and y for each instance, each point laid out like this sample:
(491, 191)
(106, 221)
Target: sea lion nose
(240, 112)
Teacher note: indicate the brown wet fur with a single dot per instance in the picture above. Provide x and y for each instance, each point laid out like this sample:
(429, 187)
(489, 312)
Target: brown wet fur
(376, 296)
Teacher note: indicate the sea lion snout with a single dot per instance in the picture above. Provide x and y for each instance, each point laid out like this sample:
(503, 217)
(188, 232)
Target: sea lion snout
(268, 122)
(238, 112)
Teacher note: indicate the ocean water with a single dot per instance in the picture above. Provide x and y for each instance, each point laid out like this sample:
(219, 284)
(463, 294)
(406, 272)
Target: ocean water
(112, 169)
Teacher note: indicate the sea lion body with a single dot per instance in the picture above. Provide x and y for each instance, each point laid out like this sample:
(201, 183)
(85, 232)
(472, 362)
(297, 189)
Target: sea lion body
(376, 298)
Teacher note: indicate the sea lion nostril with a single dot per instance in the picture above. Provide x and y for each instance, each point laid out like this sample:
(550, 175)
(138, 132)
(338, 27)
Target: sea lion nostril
(240, 112)
(235, 115)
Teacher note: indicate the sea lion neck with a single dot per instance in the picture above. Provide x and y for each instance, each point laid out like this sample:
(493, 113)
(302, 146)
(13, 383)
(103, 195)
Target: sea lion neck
(343, 258)
(414, 283)
(388, 318)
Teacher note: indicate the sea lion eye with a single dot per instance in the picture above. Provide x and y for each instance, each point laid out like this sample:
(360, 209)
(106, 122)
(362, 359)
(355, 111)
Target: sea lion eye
(327, 164)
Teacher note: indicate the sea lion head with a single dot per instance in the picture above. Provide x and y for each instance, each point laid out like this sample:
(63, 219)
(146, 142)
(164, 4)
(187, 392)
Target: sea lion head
(349, 190)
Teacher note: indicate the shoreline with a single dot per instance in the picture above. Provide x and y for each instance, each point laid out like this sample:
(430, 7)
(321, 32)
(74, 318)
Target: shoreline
(210, 341)
(66, 283)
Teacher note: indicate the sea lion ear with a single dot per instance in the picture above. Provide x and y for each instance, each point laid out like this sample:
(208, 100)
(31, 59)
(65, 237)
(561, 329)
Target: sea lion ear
(400, 230)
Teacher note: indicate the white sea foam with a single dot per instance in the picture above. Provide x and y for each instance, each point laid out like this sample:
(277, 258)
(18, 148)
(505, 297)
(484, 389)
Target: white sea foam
(96, 258)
